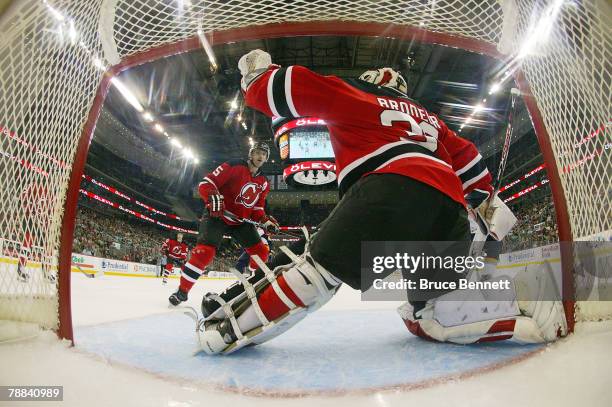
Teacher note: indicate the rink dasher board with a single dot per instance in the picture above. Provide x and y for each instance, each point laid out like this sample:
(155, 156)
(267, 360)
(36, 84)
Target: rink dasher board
(101, 266)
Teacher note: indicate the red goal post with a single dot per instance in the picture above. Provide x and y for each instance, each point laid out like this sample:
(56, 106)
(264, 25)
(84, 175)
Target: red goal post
(53, 89)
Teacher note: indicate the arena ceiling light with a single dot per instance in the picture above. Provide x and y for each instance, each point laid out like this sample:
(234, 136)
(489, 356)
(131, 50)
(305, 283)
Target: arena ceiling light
(147, 116)
(159, 127)
(494, 88)
(540, 32)
(54, 12)
(97, 62)
(188, 153)
(73, 35)
(208, 49)
(127, 94)
(175, 142)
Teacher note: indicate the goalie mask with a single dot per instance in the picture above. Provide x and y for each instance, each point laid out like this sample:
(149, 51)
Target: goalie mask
(386, 77)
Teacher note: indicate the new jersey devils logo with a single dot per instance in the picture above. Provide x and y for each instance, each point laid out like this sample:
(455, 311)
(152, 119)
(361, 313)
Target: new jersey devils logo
(249, 194)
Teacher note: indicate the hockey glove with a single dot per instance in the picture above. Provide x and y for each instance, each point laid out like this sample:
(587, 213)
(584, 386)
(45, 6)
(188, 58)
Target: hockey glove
(252, 65)
(271, 225)
(215, 205)
(499, 218)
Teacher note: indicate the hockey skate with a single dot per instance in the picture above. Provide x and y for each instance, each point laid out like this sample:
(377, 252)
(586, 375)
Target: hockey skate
(177, 297)
(210, 304)
(22, 276)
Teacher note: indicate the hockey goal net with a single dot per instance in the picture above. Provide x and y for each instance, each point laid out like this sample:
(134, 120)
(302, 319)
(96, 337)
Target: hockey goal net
(57, 58)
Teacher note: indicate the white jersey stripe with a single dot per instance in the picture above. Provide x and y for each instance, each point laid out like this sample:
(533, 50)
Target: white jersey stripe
(413, 155)
(192, 268)
(210, 181)
(475, 179)
(374, 153)
(366, 157)
(469, 165)
(271, 103)
(288, 92)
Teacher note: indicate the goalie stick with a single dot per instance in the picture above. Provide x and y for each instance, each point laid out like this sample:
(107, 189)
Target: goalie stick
(507, 141)
(483, 229)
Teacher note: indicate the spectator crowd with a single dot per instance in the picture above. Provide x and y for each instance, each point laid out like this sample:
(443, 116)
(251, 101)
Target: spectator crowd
(103, 233)
(536, 226)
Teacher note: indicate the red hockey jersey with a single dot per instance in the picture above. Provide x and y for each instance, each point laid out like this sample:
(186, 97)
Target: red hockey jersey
(244, 194)
(175, 249)
(374, 130)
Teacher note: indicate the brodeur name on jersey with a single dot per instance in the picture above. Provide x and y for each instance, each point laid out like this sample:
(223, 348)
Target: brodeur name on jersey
(175, 249)
(244, 194)
(374, 129)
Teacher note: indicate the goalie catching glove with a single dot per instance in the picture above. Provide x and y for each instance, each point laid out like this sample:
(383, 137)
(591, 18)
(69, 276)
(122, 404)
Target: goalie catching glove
(498, 218)
(215, 205)
(252, 65)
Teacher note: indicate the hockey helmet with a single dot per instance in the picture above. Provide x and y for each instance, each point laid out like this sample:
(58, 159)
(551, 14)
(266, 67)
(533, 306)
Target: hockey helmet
(260, 145)
(386, 77)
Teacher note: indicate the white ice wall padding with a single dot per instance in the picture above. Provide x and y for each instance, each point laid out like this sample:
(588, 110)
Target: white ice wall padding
(48, 83)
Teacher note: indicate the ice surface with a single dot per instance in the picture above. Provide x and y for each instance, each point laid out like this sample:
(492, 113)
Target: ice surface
(125, 316)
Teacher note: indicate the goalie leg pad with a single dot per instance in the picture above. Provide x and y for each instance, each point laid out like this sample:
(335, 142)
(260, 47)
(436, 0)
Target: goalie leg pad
(287, 294)
(272, 305)
(540, 299)
(539, 319)
(211, 307)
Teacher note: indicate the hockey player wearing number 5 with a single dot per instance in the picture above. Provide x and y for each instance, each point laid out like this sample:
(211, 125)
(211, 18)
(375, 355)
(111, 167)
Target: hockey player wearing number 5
(403, 176)
(235, 190)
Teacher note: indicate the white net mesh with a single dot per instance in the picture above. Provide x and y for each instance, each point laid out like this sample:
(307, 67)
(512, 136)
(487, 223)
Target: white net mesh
(50, 59)
(570, 77)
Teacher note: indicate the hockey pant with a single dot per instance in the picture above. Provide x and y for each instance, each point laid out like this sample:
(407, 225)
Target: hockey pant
(531, 313)
(268, 307)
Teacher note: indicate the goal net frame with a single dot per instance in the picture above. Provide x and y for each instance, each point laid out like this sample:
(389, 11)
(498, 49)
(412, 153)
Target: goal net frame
(108, 24)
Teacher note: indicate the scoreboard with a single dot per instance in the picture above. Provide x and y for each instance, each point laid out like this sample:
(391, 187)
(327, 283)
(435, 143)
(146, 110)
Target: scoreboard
(306, 151)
